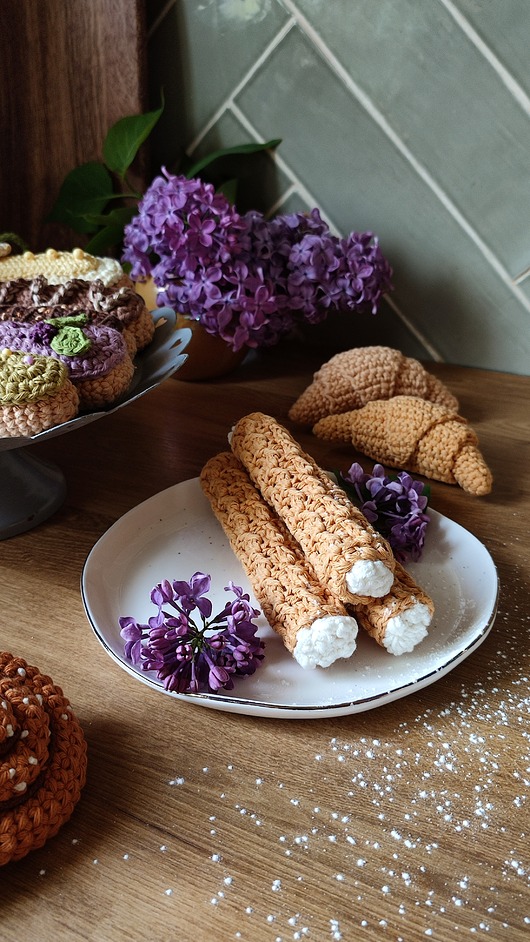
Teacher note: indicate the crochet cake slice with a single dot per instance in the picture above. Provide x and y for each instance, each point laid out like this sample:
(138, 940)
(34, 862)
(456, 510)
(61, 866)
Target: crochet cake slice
(35, 394)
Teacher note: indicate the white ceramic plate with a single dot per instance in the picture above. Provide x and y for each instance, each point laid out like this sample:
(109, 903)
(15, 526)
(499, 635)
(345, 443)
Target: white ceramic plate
(174, 534)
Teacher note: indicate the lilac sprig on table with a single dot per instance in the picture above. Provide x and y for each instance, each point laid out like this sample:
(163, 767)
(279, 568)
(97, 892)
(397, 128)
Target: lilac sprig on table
(190, 650)
(245, 278)
(394, 504)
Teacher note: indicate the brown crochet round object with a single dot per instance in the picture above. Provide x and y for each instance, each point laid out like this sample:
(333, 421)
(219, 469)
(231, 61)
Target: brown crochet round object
(42, 758)
(352, 378)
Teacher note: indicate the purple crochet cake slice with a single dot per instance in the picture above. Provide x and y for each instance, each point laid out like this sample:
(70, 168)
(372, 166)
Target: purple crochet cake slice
(35, 299)
(96, 357)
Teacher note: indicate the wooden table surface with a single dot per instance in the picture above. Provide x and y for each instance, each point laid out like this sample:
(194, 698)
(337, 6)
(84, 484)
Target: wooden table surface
(409, 821)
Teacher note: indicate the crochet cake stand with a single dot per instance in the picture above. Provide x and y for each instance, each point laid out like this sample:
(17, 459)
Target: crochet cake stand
(31, 490)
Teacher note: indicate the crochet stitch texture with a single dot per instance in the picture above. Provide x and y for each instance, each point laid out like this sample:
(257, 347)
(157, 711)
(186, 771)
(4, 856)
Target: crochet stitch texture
(42, 758)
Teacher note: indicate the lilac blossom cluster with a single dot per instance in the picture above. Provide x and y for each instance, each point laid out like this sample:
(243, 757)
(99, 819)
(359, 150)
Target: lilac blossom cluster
(200, 653)
(394, 504)
(247, 279)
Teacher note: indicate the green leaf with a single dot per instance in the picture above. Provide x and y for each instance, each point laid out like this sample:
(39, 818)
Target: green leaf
(105, 240)
(229, 189)
(228, 152)
(116, 217)
(125, 138)
(86, 189)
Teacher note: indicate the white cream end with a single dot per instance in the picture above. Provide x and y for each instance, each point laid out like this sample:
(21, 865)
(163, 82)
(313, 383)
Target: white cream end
(326, 640)
(370, 577)
(405, 631)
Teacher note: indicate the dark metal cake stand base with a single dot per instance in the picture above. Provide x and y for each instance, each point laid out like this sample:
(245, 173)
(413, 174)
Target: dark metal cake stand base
(31, 490)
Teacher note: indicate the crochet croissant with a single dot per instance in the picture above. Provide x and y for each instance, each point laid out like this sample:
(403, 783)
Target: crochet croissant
(351, 379)
(410, 433)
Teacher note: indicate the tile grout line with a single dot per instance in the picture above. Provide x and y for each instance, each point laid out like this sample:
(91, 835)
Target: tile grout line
(226, 104)
(414, 330)
(522, 276)
(506, 78)
(371, 109)
(282, 164)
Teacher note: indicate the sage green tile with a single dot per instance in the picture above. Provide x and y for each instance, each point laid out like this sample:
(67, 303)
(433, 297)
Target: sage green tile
(505, 28)
(260, 181)
(443, 283)
(445, 101)
(198, 54)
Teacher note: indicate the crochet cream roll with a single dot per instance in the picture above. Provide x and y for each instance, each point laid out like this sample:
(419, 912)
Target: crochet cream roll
(345, 551)
(314, 625)
(401, 619)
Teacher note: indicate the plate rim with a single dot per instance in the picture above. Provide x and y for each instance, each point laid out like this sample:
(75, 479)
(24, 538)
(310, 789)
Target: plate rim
(250, 706)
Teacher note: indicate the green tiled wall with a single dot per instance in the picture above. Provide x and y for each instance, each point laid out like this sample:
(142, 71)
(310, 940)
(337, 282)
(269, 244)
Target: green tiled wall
(409, 119)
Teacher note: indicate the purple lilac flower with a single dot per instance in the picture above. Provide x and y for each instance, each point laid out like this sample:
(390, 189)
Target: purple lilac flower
(247, 279)
(394, 504)
(190, 657)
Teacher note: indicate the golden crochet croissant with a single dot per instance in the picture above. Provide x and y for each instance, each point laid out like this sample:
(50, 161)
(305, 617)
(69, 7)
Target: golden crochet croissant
(416, 435)
(351, 379)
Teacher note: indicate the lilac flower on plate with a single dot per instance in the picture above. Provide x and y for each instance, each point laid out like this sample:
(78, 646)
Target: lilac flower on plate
(394, 504)
(191, 651)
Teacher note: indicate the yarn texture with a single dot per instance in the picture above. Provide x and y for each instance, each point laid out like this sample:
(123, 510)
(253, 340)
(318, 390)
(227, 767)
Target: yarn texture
(284, 583)
(416, 435)
(351, 379)
(42, 758)
(333, 534)
(37, 299)
(60, 267)
(35, 394)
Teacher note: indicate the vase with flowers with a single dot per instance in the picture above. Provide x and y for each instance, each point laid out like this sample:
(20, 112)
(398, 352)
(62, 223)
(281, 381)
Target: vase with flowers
(246, 279)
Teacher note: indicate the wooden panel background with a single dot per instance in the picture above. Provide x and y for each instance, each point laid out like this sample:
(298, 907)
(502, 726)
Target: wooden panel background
(69, 69)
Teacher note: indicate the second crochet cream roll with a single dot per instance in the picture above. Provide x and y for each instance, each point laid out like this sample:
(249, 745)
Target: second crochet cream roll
(345, 551)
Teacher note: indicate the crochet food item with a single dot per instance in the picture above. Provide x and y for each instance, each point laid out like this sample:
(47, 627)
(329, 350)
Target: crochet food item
(419, 436)
(347, 554)
(35, 394)
(59, 267)
(96, 358)
(352, 378)
(30, 300)
(314, 625)
(42, 758)
(400, 620)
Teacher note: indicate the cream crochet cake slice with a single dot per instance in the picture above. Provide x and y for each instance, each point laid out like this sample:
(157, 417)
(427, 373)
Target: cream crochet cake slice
(35, 394)
(59, 267)
(313, 625)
